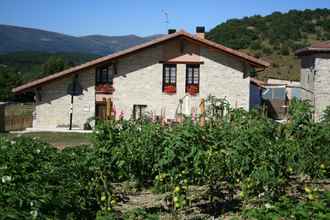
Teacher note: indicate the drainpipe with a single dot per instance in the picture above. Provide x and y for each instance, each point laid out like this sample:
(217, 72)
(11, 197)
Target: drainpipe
(71, 112)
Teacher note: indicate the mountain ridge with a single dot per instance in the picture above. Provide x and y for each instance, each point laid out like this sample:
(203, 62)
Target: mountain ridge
(16, 39)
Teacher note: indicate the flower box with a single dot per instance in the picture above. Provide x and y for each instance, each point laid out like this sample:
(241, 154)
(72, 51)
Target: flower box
(192, 89)
(170, 89)
(104, 88)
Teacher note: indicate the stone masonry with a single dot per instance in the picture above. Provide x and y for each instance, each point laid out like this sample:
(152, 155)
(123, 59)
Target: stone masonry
(139, 81)
(53, 108)
(315, 81)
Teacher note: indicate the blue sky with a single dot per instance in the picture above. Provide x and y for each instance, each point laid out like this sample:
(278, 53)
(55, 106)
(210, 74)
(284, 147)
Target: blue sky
(140, 17)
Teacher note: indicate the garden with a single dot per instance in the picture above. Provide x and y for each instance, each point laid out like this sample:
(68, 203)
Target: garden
(238, 165)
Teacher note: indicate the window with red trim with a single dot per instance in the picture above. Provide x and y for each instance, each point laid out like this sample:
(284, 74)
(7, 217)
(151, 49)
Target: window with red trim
(169, 78)
(192, 78)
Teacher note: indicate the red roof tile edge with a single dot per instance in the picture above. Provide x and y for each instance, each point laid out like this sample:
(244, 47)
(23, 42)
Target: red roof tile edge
(317, 47)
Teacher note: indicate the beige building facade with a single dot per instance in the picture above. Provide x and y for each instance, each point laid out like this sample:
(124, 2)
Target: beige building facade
(137, 81)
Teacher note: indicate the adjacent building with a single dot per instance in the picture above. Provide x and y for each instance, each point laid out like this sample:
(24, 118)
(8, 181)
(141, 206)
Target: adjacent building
(277, 95)
(315, 76)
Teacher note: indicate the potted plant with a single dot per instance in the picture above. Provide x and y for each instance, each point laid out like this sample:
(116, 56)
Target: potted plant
(170, 89)
(105, 88)
(192, 89)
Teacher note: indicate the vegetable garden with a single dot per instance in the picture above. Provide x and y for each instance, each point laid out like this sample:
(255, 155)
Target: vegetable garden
(250, 167)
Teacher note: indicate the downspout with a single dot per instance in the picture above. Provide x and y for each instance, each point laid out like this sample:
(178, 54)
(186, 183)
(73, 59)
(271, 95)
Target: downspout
(71, 112)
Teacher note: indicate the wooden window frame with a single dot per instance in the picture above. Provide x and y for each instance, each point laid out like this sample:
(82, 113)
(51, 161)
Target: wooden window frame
(104, 78)
(170, 83)
(193, 66)
(99, 105)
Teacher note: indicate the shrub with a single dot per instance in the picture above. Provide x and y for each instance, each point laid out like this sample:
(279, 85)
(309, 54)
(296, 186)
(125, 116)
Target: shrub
(40, 182)
(235, 153)
(290, 208)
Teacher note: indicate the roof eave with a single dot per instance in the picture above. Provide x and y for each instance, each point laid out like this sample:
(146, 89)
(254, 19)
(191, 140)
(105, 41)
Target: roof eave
(308, 50)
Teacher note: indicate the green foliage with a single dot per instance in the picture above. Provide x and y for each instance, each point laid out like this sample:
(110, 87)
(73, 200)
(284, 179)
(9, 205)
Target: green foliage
(236, 153)
(289, 208)
(17, 68)
(267, 50)
(326, 115)
(260, 155)
(53, 65)
(275, 36)
(285, 50)
(140, 214)
(130, 148)
(40, 182)
(9, 78)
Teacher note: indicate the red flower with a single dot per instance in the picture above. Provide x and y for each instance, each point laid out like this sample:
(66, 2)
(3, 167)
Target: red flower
(170, 89)
(104, 88)
(192, 89)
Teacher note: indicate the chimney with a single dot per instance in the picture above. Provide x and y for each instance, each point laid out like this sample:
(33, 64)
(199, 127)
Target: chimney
(200, 31)
(171, 31)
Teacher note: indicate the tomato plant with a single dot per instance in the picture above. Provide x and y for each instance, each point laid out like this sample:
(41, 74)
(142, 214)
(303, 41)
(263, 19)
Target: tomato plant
(237, 154)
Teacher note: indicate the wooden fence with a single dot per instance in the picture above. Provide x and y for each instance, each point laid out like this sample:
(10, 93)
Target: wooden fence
(16, 116)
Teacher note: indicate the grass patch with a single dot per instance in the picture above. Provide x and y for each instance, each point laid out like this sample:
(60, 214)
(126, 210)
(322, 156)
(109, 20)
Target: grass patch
(57, 139)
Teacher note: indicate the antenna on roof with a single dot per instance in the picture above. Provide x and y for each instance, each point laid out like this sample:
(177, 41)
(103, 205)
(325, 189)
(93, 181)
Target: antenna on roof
(166, 19)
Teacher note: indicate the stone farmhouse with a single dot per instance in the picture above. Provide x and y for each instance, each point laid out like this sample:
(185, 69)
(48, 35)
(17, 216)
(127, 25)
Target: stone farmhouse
(315, 76)
(152, 77)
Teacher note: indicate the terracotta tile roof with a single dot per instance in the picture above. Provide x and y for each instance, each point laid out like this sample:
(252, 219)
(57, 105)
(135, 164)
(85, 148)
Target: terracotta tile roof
(324, 44)
(252, 60)
(316, 47)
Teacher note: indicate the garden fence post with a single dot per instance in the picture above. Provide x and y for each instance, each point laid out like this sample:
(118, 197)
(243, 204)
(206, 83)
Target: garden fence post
(109, 110)
(202, 109)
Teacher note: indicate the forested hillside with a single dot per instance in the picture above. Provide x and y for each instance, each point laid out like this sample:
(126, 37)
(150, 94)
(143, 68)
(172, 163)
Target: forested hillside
(275, 37)
(20, 67)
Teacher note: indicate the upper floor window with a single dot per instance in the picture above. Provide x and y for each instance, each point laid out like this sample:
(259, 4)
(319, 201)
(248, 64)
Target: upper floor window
(169, 78)
(104, 75)
(192, 79)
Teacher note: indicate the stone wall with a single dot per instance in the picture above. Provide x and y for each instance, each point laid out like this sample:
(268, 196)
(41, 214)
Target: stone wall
(139, 81)
(307, 78)
(315, 81)
(53, 110)
(322, 84)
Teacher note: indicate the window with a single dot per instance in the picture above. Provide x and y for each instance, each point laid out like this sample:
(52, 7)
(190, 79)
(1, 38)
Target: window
(139, 111)
(104, 75)
(169, 78)
(192, 78)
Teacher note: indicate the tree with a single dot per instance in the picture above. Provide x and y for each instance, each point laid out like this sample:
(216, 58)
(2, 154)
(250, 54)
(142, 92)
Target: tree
(285, 50)
(9, 78)
(54, 64)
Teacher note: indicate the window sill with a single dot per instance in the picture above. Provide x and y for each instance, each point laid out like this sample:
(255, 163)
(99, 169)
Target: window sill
(192, 94)
(169, 93)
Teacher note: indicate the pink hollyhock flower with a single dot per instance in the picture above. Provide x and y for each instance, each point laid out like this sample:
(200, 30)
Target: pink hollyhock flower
(193, 116)
(121, 116)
